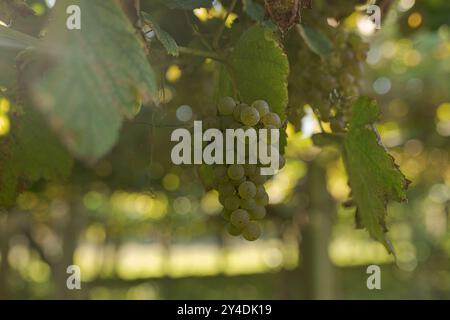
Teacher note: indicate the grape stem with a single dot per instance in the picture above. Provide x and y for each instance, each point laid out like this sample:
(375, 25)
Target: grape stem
(222, 27)
(201, 53)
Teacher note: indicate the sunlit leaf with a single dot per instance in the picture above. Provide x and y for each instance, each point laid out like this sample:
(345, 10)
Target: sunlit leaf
(374, 177)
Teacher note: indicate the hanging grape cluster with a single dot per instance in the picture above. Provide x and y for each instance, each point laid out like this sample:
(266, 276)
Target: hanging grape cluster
(330, 84)
(241, 186)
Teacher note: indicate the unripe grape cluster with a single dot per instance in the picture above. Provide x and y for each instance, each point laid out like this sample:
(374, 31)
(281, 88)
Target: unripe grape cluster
(241, 186)
(330, 84)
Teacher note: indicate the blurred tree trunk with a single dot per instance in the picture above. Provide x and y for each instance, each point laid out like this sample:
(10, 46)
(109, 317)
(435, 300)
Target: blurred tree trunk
(69, 237)
(317, 272)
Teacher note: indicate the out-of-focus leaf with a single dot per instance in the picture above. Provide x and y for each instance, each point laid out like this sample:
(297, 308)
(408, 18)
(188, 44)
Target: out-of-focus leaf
(11, 39)
(96, 76)
(186, 4)
(255, 11)
(316, 40)
(31, 152)
(165, 38)
(374, 177)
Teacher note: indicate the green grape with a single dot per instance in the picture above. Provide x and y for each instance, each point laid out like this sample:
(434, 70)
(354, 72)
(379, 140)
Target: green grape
(346, 79)
(260, 190)
(258, 212)
(222, 199)
(226, 189)
(351, 91)
(237, 183)
(226, 106)
(235, 171)
(234, 231)
(231, 203)
(272, 119)
(252, 231)
(240, 218)
(226, 214)
(258, 178)
(328, 82)
(335, 60)
(262, 107)
(235, 125)
(262, 200)
(249, 116)
(247, 190)
(248, 204)
(220, 174)
(250, 169)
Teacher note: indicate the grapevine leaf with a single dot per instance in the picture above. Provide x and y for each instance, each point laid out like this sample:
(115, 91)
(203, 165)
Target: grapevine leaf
(15, 40)
(326, 139)
(31, 153)
(316, 40)
(86, 93)
(11, 42)
(261, 68)
(373, 175)
(165, 38)
(187, 4)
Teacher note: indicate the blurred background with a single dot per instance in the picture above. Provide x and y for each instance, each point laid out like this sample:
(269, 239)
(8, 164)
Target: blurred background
(140, 228)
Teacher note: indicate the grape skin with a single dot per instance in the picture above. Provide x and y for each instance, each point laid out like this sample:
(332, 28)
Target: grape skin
(240, 218)
(272, 119)
(226, 106)
(258, 212)
(231, 203)
(247, 190)
(235, 172)
(262, 107)
(234, 231)
(248, 204)
(249, 116)
(252, 231)
(226, 189)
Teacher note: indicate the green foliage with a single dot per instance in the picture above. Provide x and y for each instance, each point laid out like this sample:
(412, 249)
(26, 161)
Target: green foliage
(186, 4)
(316, 40)
(86, 93)
(373, 175)
(15, 40)
(257, 13)
(165, 38)
(31, 154)
(260, 68)
(86, 82)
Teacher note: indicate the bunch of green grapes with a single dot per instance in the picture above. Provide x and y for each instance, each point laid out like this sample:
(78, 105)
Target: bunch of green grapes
(241, 186)
(330, 84)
